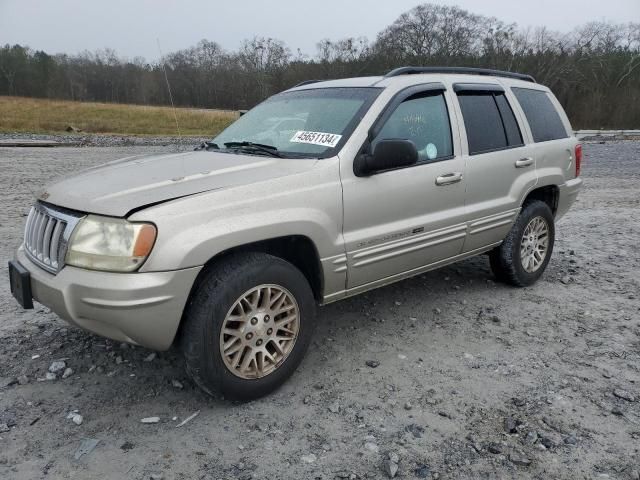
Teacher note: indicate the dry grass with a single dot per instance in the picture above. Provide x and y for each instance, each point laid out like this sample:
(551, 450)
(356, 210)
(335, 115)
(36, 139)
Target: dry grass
(33, 115)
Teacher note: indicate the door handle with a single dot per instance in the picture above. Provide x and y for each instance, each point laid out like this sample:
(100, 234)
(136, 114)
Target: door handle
(449, 178)
(524, 162)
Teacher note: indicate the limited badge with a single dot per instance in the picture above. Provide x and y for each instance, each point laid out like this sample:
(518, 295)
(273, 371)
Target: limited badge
(432, 151)
(316, 138)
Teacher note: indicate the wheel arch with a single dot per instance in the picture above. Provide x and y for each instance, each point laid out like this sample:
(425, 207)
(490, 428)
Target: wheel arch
(549, 194)
(299, 250)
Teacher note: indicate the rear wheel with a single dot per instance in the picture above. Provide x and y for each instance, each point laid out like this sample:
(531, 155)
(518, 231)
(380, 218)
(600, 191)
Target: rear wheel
(524, 254)
(247, 325)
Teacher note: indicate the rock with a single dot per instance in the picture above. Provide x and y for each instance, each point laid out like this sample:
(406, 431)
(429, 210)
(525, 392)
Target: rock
(306, 400)
(624, 395)
(571, 440)
(4, 428)
(23, 379)
(119, 360)
(75, 417)
(390, 468)
(494, 448)
(372, 447)
(308, 458)
(617, 411)
(566, 279)
(635, 475)
(177, 384)
(156, 476)
(422, 471)
(334, 407)
(408, 406)
(531, 438)
(50, 376)
(518, 459)
(511, 425)
(67, 373)
(87, 445)
(150, 420)
(518, 402)
(56, 367)
(394, 457)
(372, 363)
(151, 357)
(415, 430)
(437, 311)
(547, 442)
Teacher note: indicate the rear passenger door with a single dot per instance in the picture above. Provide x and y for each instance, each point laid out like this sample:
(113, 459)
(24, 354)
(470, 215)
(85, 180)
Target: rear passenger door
(499, 167)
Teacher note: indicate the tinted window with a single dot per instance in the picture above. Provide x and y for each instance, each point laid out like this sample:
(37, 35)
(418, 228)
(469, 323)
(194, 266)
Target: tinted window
(511, 129)
(482, 122)
(542, 116)
(423, 119)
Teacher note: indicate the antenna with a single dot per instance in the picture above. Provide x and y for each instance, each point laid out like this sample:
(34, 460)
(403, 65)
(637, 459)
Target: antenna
(164, 69)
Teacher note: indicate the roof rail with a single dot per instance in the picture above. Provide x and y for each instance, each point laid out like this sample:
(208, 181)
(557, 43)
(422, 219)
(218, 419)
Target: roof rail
(306, 82)
(461, 70)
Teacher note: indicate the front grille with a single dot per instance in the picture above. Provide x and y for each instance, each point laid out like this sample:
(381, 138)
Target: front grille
(47, 234)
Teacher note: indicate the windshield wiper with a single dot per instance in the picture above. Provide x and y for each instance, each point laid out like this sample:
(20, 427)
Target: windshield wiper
(257, 147)
(207, 146)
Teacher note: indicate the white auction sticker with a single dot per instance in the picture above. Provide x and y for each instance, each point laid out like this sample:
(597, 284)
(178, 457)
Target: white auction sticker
(316, 138)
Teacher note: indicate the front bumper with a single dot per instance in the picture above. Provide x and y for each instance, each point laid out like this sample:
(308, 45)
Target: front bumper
(568, 194)
(140, 308)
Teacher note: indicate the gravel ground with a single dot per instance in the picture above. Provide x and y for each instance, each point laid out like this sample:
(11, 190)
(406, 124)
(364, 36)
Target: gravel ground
(448, 374)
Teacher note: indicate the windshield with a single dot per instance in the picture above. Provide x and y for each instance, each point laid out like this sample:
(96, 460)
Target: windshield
(304, 123)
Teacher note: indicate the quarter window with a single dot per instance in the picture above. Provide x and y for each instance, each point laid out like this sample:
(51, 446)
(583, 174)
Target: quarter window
(542, 116)
(424, 120)
(489, 121)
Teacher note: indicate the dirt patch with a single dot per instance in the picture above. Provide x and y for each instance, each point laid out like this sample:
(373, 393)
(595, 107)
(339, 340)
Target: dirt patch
(449, 373)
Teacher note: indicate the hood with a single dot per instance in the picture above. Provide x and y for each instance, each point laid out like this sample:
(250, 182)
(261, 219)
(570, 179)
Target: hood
(117, 188)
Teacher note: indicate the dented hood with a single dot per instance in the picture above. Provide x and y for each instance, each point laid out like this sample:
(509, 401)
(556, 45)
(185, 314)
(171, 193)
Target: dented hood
(119, 187)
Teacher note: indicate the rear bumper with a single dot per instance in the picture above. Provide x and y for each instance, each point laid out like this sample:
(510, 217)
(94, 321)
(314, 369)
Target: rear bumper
(568, 194)
(140, 308)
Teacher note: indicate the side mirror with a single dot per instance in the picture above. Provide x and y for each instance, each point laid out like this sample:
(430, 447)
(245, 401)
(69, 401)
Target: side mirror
(388, 154)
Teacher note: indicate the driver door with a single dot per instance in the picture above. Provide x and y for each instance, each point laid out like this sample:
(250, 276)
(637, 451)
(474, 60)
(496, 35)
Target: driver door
(397, 221)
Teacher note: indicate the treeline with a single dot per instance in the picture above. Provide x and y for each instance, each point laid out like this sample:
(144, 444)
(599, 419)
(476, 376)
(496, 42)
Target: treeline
(594, 70)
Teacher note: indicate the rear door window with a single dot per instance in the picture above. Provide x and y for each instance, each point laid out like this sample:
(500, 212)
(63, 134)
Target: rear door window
(544, 121)
(489, 121)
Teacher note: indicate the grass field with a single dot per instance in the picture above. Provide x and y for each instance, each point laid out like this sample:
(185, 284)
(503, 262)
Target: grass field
(33, 115)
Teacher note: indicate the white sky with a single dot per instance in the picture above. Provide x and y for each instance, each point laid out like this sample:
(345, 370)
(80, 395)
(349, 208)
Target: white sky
(131, 26)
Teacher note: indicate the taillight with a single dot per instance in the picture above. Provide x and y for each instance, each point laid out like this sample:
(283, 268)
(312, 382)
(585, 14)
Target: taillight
(578, 155)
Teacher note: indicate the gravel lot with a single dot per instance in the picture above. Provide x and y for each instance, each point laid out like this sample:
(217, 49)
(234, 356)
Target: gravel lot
(475, 379)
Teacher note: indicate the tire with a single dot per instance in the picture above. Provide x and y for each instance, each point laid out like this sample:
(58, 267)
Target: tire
(216, 302)
(507, 261)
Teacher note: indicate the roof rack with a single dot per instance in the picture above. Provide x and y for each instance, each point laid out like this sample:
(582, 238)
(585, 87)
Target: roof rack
(307, 82)
(461, 70)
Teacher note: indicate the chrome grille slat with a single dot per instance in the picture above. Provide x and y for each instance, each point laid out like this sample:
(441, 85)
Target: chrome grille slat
(46, 244)
(40, 236)
(27, 228)
(47, 234)
(55, 243)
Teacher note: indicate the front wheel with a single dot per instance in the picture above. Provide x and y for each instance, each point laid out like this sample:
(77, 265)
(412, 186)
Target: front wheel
(524, 254)
(247, 326)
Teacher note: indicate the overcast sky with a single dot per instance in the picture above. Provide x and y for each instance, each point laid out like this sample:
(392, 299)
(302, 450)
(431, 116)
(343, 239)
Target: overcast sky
(132, 26)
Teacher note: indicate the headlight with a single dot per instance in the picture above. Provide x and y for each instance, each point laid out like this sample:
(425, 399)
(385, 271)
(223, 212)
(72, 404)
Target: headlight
(110, 244)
